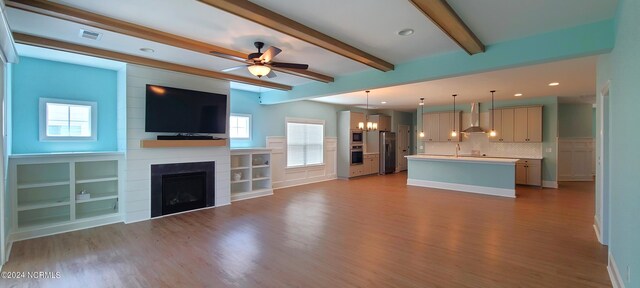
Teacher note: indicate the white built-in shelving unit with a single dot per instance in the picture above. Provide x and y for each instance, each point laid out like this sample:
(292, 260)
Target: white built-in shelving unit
(250, 173)
(44, 189)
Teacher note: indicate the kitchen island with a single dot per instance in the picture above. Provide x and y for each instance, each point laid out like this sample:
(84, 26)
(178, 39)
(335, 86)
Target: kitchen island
(482, 175)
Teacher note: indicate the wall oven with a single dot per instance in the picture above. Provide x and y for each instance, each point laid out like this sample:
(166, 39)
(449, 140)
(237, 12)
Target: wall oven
(357, 137)
(357, 155)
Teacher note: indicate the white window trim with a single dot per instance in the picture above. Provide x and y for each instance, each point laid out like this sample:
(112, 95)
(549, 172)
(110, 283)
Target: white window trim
(43, 120)
(250, 126)
(286, 137)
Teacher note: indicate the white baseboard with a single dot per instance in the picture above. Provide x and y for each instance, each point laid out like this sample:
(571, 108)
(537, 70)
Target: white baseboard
(277, 185)
(251, 194)
(550, 184)
(614, 273)
(25, 234)
(596, 227)
(511, 193)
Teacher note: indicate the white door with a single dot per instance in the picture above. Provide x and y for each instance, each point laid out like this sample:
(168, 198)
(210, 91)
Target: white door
(403, 146)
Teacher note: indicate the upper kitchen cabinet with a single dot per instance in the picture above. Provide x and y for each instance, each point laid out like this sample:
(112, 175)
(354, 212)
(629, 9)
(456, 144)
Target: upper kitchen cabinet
(438, 126)
(355, 118)
(503, 124)
(431, 127)
(384, 123)
(447, 125)
(527, 124)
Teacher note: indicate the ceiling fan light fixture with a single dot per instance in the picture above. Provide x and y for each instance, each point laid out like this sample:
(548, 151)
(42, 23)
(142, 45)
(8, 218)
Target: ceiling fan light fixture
(259, 70)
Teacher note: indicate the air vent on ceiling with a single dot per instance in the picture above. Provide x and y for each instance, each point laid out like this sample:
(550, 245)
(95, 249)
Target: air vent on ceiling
(90, 34)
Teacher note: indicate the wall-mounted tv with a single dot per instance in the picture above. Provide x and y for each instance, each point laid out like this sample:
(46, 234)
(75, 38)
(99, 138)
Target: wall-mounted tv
(175, 110)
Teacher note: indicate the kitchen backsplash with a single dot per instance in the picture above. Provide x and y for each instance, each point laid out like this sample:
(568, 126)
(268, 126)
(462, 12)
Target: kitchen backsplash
(481, 142)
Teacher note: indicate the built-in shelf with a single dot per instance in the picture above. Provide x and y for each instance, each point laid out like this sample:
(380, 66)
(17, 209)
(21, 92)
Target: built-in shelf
(41, 185)
(43, 204)
(43, 222)
(44, 189)
(182, 143)
(256, 174)
(97, 199)
(97, 180)
(96, 213)
(240, 168)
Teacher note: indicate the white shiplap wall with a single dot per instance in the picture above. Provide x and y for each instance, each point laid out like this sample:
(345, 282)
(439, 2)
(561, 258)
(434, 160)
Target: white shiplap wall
(137, 196)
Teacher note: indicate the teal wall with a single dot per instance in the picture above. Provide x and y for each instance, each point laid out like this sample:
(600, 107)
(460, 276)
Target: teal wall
(584, 40)
(624, 183)
(549, 126)
(33, 78)
(575, 120)
(269, 120)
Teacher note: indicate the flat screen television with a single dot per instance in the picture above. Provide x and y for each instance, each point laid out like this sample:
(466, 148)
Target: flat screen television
(175, 110)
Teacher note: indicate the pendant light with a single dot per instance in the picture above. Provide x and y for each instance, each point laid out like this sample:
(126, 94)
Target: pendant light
(493, 117)
(371, 126)
(454, 133)
(361, 124)
(422, 115)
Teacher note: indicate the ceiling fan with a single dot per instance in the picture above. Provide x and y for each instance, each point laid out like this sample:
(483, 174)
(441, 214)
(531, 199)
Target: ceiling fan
(260, 63)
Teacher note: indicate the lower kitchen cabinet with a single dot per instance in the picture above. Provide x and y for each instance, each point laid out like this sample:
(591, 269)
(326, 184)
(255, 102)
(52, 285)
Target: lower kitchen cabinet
(529, 172)
(369, 166)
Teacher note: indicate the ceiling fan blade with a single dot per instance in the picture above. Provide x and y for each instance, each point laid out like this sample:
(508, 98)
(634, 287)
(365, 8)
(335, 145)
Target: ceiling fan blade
(234, 68)
(289, 65)
(271, 74)
(268, 55)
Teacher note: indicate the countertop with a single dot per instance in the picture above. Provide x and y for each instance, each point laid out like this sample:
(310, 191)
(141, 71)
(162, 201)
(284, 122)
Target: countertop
(486, 156)
(493, 160)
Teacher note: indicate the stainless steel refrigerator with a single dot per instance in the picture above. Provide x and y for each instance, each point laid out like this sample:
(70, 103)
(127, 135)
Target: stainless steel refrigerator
(387, 152)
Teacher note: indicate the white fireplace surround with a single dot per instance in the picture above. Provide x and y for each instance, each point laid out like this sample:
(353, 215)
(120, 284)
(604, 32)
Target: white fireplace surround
(137, 174)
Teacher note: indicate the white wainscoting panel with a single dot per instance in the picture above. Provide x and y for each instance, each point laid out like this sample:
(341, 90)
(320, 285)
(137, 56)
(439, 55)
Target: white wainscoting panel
(137, 196)
(287, 177)
(576, 159)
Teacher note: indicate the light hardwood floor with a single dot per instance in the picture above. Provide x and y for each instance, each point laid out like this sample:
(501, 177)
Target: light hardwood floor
(367, 232)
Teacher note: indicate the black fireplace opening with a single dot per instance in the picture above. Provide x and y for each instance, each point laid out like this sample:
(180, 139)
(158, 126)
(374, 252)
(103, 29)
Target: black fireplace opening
(183, 192)
(181, 187)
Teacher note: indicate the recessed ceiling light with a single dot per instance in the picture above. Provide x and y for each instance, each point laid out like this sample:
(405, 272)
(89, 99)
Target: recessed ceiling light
(405, 32)
(518, 94)
(147, 50)
(554, 84)
(383, 102)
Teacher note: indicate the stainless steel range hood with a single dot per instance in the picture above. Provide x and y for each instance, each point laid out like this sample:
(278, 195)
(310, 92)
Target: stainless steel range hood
(475, 120)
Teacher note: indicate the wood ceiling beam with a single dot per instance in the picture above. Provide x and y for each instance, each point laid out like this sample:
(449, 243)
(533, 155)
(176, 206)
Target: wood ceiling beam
(450, 23)
(96, 52)
(275, 21)
(64, 12)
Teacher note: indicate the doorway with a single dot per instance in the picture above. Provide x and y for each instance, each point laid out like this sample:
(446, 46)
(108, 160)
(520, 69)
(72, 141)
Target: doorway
(403, 146)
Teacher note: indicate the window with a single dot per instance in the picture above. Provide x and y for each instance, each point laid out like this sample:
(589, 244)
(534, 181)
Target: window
(240, 126)
(305, 142)
(67, 120)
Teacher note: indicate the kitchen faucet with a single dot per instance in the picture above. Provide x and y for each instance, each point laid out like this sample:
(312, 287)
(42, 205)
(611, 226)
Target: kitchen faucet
(457, 149)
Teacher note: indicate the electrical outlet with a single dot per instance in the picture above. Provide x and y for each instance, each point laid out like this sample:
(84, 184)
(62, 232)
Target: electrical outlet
(421, 147)
(548, 150)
